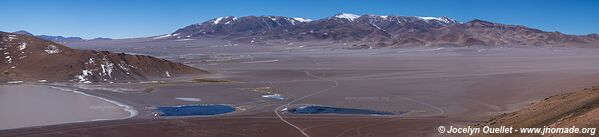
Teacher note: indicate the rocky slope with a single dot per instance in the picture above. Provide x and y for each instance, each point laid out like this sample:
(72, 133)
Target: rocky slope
(579, 109)
(28, 58)
(377, 31)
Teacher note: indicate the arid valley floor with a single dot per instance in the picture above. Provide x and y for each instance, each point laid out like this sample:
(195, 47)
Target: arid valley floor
(426, 87)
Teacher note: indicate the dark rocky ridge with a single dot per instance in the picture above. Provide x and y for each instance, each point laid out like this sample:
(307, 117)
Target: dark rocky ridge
(379, 31)
(28, 58)
(58, 39)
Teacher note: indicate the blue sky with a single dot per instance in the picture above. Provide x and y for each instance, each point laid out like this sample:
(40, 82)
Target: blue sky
(137, 18)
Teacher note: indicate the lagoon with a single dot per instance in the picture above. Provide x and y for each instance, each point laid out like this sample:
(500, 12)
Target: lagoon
(25, 105)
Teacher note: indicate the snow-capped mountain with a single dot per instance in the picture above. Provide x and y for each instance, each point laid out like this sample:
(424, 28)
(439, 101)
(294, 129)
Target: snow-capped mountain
(346, 16)
(377, 31)
(242, 26)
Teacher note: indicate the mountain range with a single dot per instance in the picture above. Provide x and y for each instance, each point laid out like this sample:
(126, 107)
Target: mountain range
(359, 31)
(373, 31)
(58, 39)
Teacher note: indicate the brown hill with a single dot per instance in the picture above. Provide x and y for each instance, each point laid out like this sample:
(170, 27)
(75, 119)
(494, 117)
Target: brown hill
(28, 58)
(579, 109)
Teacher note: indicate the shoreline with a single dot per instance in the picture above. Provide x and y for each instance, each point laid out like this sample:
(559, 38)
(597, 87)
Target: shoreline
(130, 109)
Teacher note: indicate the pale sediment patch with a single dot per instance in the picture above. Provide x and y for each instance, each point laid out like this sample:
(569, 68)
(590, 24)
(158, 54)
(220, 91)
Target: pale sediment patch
(262, 61)
(102, 87)
(132, 112)
(15, 82)
(189, 99)
(274, 96)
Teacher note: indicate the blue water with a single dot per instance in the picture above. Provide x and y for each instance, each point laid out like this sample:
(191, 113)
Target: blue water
(198, 109)
(312, 109)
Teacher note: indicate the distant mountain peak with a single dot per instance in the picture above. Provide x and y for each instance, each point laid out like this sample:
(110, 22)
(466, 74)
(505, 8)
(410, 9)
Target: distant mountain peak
(57, 39)
(101, 38)
(594, 35)
(223, 20)
(478, 22)
(23, 32)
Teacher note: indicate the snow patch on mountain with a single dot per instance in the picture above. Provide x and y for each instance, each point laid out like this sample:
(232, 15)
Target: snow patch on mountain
(23, 46)
(347, 16)
(233, 19)
(302, 19)
(167, 36)
(217, 20)
(83, 77)
(168, 74)
(12, 37)
(441, 19)
(273, 18)
(8, 59)
(163, 36)
(51, 49)
(107, 68)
